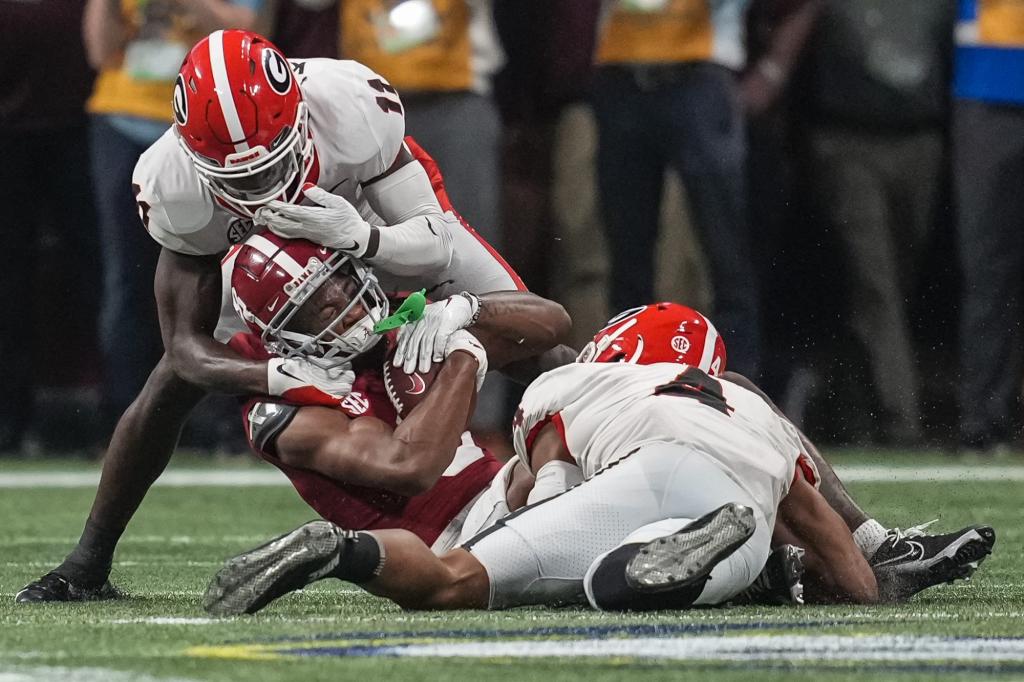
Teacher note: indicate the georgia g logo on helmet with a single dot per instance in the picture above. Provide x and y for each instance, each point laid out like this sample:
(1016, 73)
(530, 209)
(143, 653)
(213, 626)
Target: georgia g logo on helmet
(180, 102)
(277, 71)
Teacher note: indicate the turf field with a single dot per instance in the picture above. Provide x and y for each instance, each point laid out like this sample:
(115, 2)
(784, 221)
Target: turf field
(334, 632)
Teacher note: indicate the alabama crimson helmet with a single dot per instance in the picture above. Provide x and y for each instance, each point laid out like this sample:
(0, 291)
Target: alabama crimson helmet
(240, 117)
(659, 332)
(272, 277)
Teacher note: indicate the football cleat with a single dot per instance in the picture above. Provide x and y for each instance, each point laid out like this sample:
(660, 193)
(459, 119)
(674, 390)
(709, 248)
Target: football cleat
(688, 555)
(911, 560)
(250, 581)
(53, 587)
(780, 581)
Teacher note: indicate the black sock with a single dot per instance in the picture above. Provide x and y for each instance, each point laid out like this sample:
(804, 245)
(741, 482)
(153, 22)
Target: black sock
(362, 557)
(89, 562)
(613, 593)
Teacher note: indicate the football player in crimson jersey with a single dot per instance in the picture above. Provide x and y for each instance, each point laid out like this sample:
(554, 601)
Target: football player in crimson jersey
(352, 461)
(566, 432)
(253, 130)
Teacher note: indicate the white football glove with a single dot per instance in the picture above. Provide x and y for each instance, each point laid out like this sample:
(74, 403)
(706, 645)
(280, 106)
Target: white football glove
(464, 341)
(424, 341)
(299, 380)
(334, 223)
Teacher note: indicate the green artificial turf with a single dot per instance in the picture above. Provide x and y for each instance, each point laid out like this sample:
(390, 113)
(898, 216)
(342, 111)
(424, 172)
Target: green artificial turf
(181, 534)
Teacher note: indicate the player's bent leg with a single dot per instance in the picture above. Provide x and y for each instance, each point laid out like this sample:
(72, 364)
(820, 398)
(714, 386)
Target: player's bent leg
(541, 554)
(679, 563)
(139, 450)
(394, 564)
(836, 568)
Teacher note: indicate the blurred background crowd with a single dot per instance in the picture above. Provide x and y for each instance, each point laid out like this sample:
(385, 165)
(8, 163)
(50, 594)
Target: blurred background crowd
(838, 184)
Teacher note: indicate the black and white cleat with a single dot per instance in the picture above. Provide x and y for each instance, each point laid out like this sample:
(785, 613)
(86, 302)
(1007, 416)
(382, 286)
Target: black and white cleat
(689, 555)
(912, 560)
(780, 581)
(250, 581)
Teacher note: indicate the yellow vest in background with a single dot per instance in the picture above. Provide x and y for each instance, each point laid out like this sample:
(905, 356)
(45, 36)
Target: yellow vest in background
(438, 60)
(141, 85)
(679, 31)
(1001, 22)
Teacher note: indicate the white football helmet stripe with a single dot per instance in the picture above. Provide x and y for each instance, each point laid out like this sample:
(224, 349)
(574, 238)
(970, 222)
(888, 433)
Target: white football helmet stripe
(223, 87)
(279, 256)
(707, 356)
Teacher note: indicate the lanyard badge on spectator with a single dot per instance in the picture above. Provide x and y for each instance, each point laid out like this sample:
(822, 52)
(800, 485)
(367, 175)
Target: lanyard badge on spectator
(404, 24)
(644, 6)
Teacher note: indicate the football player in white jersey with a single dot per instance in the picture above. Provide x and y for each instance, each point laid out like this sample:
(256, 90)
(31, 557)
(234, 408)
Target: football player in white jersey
(255, 132)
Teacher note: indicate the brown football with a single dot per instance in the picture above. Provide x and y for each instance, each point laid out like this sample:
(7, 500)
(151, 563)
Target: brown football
(406, 391)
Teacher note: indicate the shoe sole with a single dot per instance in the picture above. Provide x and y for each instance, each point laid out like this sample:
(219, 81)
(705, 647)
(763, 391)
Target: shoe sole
(961, 559)
(690, 554)
(250, 581)
(793, 573)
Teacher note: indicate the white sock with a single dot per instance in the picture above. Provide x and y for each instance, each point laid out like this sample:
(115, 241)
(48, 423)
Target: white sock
(868, 537)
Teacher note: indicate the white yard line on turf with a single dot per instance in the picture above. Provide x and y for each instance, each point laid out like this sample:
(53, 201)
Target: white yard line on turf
(201, 478)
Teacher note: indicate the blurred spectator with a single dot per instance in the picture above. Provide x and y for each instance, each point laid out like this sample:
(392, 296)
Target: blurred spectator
(306, 28)
(988, 168)
(665, 93)
(876, 99)
(43, 86)
(138, 46)
(777, 33)
(441, 55)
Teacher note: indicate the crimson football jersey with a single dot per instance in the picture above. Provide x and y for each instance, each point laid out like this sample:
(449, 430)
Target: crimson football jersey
(356, 507)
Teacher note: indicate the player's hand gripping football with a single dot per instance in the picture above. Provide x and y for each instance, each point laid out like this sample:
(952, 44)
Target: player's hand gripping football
(424, 342)
(461, 340)
(334, 222)
(300, 380)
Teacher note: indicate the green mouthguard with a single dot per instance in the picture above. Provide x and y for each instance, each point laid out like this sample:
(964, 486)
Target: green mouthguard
(410, 311)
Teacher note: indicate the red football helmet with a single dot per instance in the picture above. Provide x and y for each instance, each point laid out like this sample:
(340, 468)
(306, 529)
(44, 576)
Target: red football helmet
(272, 277)
(239, 115)
(659, 332)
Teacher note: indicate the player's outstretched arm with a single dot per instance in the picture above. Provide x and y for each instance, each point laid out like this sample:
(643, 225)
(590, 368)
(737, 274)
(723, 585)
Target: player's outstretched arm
(365, 451)
(188, 295)
(836, 569)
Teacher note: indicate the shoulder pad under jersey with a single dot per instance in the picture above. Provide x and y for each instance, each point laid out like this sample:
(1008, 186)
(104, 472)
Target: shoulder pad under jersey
(357, 118)
(267, 421)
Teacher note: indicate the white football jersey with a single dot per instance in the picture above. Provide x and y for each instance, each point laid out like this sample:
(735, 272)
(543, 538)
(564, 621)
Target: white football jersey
(356, 140)
(608, 410)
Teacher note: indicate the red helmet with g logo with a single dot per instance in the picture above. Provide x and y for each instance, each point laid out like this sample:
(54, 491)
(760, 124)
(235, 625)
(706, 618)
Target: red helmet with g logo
(240, 117)
(659, 332)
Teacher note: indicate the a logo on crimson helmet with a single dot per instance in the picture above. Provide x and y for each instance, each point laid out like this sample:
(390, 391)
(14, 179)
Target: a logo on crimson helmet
(180, 102)
(278, 73)
(680, 344)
